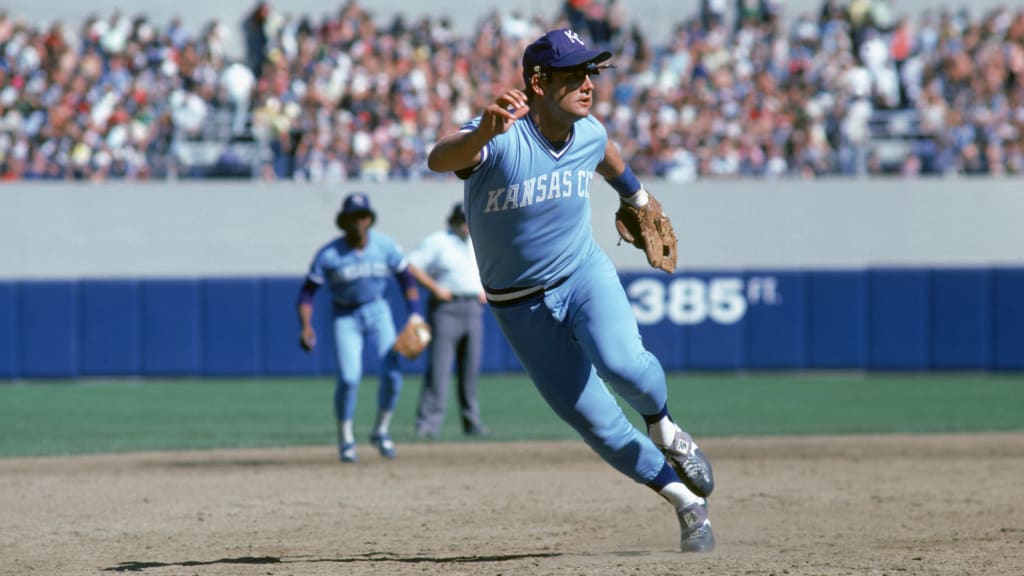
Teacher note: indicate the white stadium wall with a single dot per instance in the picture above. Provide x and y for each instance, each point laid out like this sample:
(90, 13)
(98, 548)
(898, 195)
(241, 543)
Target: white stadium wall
(229, 229)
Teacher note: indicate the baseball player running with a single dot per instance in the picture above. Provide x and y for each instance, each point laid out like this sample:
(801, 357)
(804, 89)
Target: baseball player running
(355, 266)
(527, 162)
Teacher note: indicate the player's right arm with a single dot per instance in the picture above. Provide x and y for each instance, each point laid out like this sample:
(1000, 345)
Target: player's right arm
(464, 148)
(423, 263)
(612, 165)
(439, 292)
(307, 335)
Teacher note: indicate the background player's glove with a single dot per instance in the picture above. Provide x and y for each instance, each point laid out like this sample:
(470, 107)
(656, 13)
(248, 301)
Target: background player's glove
(413, 338)
(650, 230)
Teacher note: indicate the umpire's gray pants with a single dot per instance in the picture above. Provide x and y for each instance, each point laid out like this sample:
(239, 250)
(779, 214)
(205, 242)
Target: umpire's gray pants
(457, 339)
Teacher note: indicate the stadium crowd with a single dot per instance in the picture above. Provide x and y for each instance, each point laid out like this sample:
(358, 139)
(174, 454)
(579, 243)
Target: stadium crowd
(736, 91)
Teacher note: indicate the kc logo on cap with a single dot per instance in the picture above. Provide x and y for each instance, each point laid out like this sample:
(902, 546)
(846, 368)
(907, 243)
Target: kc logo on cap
(573, 37)
(561, 49)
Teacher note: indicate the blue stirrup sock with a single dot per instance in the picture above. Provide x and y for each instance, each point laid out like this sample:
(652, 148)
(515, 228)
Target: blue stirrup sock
(666, 476)
(655, 418)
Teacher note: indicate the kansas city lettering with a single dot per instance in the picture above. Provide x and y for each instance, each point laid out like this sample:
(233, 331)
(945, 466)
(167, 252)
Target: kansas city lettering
(552, 186)
(351, 272)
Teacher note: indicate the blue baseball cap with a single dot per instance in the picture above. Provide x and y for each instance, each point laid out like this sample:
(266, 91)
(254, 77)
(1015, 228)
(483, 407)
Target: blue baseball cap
(560, 49)
(458, 215)
(356, 203)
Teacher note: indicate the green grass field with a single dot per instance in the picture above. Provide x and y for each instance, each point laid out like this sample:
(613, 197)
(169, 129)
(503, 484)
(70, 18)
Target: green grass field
(93, 416)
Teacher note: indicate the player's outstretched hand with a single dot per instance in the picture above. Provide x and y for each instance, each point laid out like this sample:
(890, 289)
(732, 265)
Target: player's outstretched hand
(307, 339)
(499, 116)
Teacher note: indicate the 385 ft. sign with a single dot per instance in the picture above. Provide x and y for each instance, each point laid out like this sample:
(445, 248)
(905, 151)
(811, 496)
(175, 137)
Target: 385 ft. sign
(688, 300)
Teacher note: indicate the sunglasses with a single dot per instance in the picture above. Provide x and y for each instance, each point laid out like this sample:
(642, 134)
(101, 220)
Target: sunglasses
(573, 75)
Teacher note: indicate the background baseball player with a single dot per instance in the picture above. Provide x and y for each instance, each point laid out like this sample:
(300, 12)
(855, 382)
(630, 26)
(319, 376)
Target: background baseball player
(527, 162)
(444, 262)
(355, 266)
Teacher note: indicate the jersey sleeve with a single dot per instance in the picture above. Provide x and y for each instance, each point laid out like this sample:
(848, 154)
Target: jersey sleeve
(316, 269)
(485, 153)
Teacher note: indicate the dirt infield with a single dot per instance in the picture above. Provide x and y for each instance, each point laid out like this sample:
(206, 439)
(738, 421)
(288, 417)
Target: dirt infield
(944, 505)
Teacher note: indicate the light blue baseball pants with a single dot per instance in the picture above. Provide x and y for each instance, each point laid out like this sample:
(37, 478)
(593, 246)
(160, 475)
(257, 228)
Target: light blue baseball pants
(574, 339)
(369, 324)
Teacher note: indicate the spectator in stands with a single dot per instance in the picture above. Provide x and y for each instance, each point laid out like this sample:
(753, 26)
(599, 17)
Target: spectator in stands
(256, 40)
(346, 98)
(235, 84)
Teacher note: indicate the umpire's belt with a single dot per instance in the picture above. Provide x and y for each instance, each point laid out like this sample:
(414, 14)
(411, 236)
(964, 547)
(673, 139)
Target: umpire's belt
(469, 297)
(511, 296)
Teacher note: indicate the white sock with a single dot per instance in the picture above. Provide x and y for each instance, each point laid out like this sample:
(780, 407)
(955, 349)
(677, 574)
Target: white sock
(345, 433)
(679, 495)
(383, 422)
(662, 432)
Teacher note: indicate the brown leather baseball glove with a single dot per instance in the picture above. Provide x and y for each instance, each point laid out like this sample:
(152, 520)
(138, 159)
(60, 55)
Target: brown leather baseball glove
(413, 339)
(650, 230)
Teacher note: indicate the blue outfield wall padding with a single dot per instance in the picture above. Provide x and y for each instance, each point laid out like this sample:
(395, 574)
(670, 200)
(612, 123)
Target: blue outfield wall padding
(961, 320)
(47, 329)
(109, 328)
(836, 319)
(667, 342)
(881, 319)
(323, 323)
(1009, 319)
(170, 327)
(8, 341)
(661, 332)
(231, 327)
(776, 320)
(282, 355)
(898, 309)
(716, 325)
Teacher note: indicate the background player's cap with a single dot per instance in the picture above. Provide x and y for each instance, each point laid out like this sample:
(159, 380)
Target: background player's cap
(560, 49)
(356, 203)
(458, 215)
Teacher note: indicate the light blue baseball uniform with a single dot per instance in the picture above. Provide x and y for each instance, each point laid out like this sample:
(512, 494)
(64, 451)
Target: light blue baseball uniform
(357, 280)
(528, 209)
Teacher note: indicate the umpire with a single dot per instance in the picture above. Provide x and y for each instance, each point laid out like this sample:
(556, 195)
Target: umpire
(445, 264)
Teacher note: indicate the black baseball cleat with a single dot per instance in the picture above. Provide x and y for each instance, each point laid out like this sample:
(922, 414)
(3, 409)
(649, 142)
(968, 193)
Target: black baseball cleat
(689, 462)
(695, 529)
(384, 444)
(478, 430)
(347, 452)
